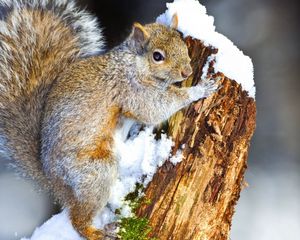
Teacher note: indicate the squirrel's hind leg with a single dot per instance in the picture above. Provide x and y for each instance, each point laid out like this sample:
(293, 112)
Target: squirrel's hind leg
(88, 195)
(92, 196)
(82, 215)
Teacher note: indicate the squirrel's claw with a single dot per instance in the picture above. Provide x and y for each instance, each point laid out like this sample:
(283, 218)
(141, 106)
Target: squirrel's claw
(210, 86)
(111, 231)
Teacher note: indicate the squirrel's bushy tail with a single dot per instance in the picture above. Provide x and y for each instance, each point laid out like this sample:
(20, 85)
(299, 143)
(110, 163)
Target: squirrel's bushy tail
(38, 39)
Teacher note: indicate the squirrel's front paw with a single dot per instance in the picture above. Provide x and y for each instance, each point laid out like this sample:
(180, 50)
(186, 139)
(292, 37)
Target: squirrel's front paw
(210, 86)
(204, 89)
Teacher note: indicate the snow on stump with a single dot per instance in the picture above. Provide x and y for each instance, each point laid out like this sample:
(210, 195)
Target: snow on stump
(195, 199)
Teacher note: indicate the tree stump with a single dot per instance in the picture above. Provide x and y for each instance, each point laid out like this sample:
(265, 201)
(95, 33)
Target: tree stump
(196, 198)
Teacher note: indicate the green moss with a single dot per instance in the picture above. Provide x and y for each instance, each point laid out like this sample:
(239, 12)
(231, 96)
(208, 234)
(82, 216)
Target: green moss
(133, 196)
(134, 228)
(147, 201)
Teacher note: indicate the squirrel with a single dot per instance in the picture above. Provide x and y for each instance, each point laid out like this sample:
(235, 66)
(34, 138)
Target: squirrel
(63, 97)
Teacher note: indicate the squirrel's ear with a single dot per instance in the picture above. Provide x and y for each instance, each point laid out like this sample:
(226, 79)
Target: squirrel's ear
(139, 34)
(174, 22)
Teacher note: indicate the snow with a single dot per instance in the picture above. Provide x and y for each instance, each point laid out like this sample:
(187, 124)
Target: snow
(194, 22)
(177, 157)
(57, 227)
(138, 160)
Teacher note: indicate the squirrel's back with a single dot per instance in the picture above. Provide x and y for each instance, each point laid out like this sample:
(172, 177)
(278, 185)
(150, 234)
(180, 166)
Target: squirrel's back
(38, 40)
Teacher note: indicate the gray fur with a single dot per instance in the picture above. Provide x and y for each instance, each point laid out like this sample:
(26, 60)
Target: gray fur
(22, 55)
(81, 22)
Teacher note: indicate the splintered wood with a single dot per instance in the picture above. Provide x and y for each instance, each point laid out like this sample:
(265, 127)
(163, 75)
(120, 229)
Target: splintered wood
(196, 198)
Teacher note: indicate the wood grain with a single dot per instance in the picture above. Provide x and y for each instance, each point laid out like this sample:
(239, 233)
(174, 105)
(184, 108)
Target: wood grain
(196, 198)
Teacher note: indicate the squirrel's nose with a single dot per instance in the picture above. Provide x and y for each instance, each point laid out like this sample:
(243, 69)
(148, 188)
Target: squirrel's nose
(186, 72)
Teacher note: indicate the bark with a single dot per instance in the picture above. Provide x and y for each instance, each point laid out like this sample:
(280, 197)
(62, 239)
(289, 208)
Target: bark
(196, 198)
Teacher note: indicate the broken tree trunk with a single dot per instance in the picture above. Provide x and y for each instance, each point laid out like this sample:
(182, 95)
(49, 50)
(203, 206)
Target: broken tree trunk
(196, 198)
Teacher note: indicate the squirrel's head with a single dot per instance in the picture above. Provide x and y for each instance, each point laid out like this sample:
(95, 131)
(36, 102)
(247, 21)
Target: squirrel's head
(162, 52)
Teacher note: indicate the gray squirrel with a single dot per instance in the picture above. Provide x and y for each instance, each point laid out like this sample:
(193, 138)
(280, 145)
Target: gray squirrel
(63, 97)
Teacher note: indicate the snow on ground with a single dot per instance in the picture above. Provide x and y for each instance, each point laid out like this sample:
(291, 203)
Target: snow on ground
(140, 156)
(194, 22)
(57, 227)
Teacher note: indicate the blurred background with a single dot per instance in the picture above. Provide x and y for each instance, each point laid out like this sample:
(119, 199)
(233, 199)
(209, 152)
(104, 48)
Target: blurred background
(267, 31)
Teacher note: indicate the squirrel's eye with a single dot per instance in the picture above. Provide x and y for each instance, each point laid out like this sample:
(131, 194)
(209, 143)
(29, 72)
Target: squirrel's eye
(158, 56)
